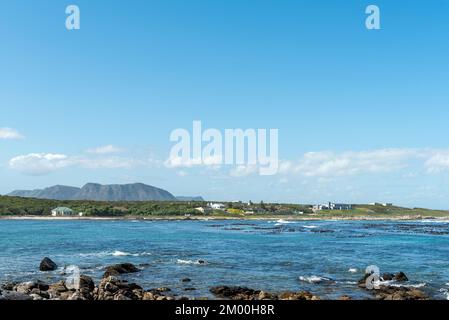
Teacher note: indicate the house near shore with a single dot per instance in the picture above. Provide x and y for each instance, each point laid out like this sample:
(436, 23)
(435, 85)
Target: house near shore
(383, 204)
(332, 206)
(203, 210)
(217, 206)
(319, 207)
(64, 212)
(340, 206)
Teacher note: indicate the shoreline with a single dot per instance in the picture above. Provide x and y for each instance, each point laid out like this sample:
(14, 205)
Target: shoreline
(224, 218)
(112, 286)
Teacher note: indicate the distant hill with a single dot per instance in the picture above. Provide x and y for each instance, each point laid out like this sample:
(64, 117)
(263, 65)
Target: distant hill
(55, 193)
(98, 192)
(190, 199)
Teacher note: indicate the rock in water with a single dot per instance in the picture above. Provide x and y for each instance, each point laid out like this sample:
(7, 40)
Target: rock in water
(388, 276)
(400, 277)
(47, 265)
(120, 269)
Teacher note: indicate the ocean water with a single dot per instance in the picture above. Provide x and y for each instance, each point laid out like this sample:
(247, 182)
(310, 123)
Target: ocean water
(324, 257)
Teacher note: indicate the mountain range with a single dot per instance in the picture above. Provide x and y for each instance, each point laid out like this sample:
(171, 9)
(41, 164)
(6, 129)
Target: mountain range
(98, 192)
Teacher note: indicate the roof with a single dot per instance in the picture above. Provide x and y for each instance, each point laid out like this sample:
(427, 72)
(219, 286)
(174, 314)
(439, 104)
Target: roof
(62, 209)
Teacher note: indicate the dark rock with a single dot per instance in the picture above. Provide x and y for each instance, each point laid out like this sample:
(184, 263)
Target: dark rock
(86, 283)
(12, 295)
(189, 289)
(9, 286)
(58, 287)
(120, 269)
(301, 295)
(186, 280)
(401, 293)
(400, 277)
(362, 282)
(387, 276)
(144, 265)
(111, 288)
(235, 293)
(47, 265)
(27, 287)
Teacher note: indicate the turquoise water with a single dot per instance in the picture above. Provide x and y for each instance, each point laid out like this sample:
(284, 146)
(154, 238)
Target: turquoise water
(266, 255)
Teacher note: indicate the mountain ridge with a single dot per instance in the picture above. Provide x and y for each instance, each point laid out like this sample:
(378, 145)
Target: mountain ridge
(99, 192)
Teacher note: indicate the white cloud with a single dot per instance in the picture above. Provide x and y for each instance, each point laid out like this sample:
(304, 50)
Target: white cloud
(244, 171)
(39, 163)
(320, 164)
(44, 163)
(108, 149)
(438, 161)
(180, 162)
(10, 134)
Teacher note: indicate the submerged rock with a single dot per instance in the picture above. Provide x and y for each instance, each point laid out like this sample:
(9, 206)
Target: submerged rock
(400, 277)
(389, 291)
(243, 293)
(235, 293)
(47, 265)
(118, 269)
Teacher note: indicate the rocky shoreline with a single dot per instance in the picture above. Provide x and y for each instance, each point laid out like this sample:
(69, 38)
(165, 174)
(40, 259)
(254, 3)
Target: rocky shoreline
(227, 218)
(112, 287)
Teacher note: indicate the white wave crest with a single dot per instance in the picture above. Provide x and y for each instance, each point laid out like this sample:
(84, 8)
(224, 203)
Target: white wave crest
(313, 279)
(197, 262)
(282, 221)
(116, 253)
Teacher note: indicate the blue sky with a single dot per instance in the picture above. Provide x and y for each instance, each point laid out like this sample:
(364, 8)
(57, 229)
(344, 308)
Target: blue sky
(362, 114)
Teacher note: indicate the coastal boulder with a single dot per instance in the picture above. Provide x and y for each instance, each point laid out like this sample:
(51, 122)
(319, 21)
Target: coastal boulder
(118, 269)
(387, 276)
(13, 295)
(86, 283)
(28, 287)
(112, 288)
(401, 293)
(300, 295)
(235, 293)
(400, 277)
(47, 265)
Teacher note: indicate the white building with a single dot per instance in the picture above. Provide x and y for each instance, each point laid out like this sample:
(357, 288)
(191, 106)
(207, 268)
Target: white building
(62, 211)
(319, 207)
(332, 206)
(339, 206)
(217, 206)
(203, 210)
(387, 204)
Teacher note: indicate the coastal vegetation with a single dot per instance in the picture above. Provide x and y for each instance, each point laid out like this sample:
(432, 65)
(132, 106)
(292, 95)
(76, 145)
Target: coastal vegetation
(18, 206)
